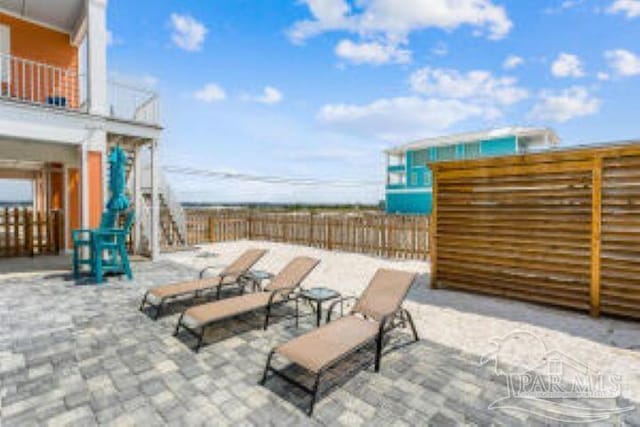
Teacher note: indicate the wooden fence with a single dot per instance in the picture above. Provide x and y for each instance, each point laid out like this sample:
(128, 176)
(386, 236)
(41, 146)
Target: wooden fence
(390, 236)
(561, 228)
(27, 233)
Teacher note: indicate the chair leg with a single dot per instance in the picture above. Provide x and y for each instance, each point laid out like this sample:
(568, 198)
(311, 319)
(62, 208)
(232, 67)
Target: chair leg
(379, 349)
(175, 333)
(218, 290)
(158, 310)
(124, 258)
(266, 317)
(413, 326)
(76, 263)
(266, 368)
(199, 343)
(144, 300)
(98, 267)
(314, 396)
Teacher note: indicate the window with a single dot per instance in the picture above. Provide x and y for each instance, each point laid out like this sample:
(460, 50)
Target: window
(414, 179)
(396, 159)
(396, 178)
(446, 153)
(421, 157)
(427, 178)
(472, 150)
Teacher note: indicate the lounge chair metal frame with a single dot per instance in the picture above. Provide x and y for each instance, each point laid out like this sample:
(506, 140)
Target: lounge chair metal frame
(199, 335)
(242, 281)
(401, 317)
(278, 295)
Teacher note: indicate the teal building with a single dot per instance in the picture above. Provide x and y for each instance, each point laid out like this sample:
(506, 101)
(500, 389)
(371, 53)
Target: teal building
(409, 180)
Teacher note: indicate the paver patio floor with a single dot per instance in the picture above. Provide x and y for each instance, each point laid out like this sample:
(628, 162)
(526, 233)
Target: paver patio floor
(85, 355)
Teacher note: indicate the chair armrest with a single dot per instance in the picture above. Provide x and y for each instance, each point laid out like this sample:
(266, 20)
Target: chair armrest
(209, 267)
(75, 233)
(340, 300)
(280, 291)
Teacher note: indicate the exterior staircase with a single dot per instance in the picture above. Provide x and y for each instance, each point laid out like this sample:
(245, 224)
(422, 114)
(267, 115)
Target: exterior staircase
(173, 226)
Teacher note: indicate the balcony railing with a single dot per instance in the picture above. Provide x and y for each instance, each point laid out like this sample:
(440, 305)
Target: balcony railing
(43, 84)
(132, 103)
(38, 83)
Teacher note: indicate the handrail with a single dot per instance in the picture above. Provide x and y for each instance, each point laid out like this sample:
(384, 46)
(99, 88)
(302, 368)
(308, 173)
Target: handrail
(26, 80)
(174, 206)
(129, 102)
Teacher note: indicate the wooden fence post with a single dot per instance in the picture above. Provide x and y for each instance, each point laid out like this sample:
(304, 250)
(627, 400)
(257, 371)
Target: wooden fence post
(7, 231)
(433, 230)
(596, 231)
(28, 232)
(212, 227)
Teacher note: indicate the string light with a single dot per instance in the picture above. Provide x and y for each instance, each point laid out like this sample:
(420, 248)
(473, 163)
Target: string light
(220, 174)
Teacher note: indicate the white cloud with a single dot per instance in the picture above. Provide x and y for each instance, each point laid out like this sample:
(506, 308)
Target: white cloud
(631, 8)
(567, 65)
(512, 61)
(395, 19)
(475, 85)
(372, 53)
(270, 95)
(602, 76)
(402, 117)
(211, 92)
(565, 5)
(188, 33)
(623, 62)
(565, 105)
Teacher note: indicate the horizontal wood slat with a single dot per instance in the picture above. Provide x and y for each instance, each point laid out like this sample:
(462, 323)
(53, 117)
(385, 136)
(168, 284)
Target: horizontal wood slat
(560, 228)
(620, 280)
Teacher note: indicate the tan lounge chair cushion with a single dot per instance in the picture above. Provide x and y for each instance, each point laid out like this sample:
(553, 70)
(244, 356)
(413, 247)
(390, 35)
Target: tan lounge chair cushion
(290, 276)
(293, 273)
(323, 346)
(244, 262)
(385, 293)
(206, 313)
(232, 272)
(175, 289)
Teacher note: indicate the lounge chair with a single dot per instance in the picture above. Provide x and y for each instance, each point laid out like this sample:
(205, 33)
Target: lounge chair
(378, 310)
(196, 319)
(233, 274)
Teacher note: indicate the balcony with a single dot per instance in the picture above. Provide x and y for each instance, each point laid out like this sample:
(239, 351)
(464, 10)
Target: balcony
(31, 82)
(134, 104)
(37, 83)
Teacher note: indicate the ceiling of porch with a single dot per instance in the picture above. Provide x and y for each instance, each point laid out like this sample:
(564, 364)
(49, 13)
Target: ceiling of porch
(64, 16)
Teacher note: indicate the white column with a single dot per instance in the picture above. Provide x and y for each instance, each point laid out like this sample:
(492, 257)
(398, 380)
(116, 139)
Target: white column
(155, 202)
(137, 197)
(84, 187)
(97, 56)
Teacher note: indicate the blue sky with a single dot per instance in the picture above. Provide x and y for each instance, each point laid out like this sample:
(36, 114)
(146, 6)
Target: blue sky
(318, 88)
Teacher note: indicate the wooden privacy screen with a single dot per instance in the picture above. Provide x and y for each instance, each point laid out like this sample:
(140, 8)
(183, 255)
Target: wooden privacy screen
(560, 228)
